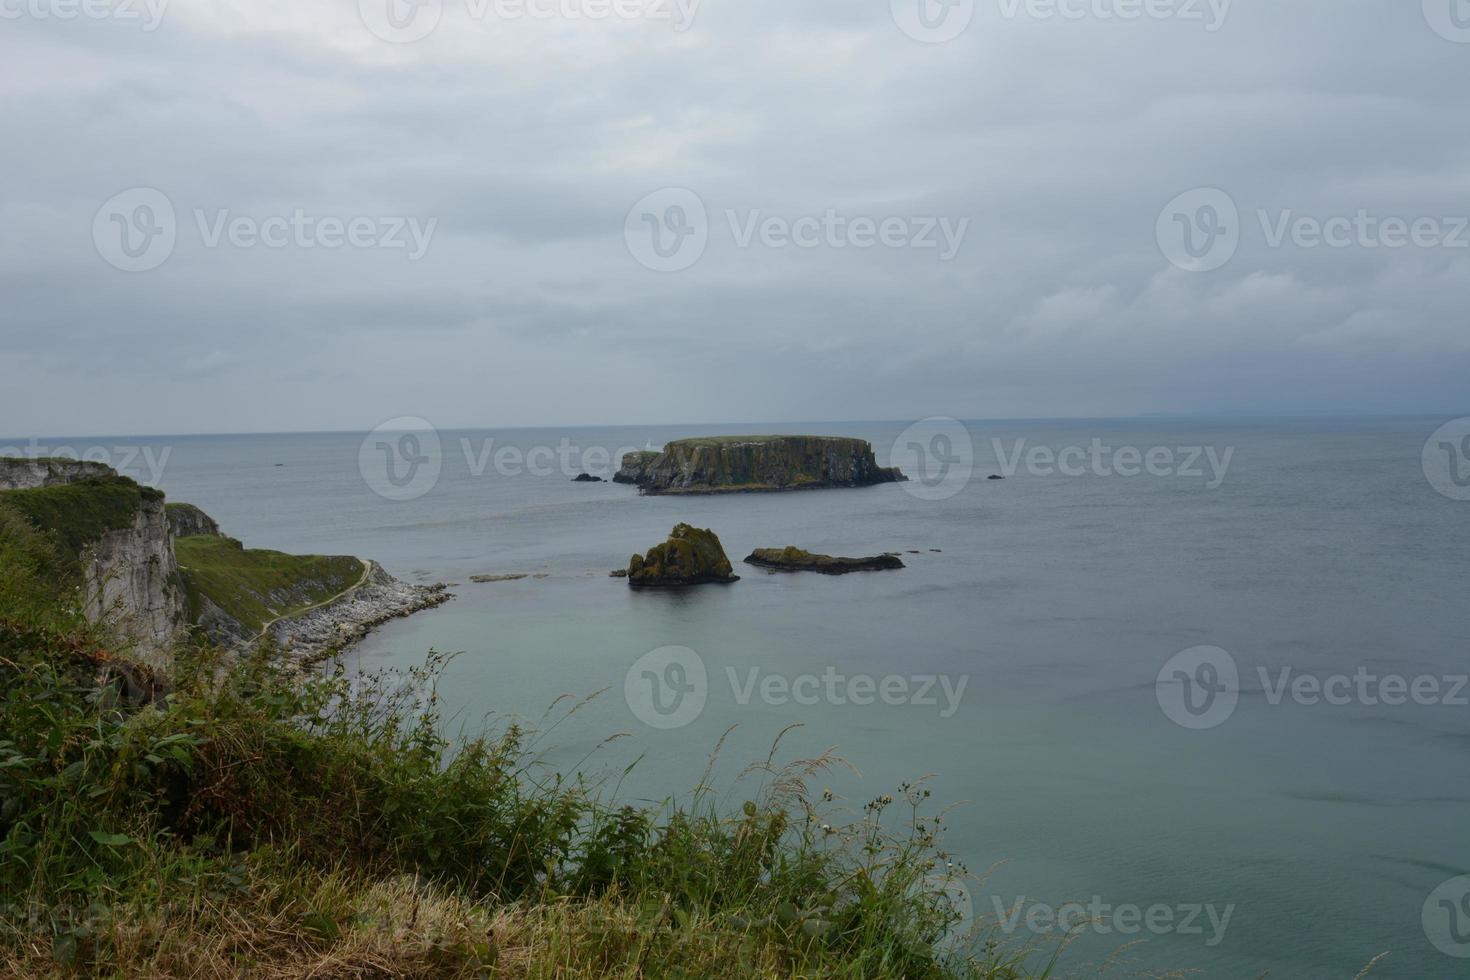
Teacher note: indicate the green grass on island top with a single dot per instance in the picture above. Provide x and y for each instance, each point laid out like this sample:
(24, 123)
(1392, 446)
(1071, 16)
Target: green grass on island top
(255, 586)
(716, 441)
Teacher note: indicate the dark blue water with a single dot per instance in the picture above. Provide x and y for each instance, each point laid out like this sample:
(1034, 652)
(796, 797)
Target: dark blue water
(1058, 599)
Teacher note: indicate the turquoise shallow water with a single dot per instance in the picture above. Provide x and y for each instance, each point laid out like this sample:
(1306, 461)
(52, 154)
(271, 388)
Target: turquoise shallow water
(1056, 598)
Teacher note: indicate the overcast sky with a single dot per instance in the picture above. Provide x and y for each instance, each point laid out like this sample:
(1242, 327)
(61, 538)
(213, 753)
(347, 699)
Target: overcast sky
(991, 193)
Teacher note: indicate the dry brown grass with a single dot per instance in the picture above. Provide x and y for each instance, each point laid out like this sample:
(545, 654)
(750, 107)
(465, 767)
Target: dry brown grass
(405, 928)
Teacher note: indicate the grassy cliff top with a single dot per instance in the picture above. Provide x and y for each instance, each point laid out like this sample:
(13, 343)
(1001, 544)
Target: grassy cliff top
(255, 587)
(76, 514)
(717, 441)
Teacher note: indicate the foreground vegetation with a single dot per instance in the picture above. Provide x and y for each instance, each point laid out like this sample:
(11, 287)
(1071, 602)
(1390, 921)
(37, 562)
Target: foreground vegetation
(243, 820)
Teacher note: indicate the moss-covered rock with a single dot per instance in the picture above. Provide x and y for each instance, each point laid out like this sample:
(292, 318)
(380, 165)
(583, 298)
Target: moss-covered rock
(691, 556)
(736, 464)
(793, 559)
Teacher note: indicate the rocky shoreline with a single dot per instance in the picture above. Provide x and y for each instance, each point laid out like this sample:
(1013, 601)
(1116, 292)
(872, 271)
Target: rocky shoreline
(330, 628)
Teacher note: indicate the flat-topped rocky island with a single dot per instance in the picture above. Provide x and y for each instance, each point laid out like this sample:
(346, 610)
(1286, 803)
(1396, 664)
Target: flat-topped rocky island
(752, 464)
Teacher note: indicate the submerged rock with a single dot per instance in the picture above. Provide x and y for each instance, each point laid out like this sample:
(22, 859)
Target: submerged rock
(793, 559)
(736, 464)
(690, 556)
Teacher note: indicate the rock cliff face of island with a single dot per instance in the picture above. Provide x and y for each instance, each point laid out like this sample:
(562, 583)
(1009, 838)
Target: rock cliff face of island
(738, 464)
(691, 556)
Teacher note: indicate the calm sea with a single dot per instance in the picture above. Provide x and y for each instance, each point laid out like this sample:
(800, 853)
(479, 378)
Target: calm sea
(1056, 598)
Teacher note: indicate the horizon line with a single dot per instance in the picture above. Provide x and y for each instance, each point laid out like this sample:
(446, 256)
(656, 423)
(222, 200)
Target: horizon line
(10, 442)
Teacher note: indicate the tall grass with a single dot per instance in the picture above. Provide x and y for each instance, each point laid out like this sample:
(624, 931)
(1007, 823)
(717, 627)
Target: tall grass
(248, 817)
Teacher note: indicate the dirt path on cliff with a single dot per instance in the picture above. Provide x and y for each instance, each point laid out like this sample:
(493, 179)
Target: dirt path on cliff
(367, 569)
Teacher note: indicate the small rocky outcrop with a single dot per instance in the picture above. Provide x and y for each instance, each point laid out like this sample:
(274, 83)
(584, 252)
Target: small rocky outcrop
(741, 464)
(995, 476)
(188, 521)
(691, 556)
(634, 466)
(587, 478)
(793, 559)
